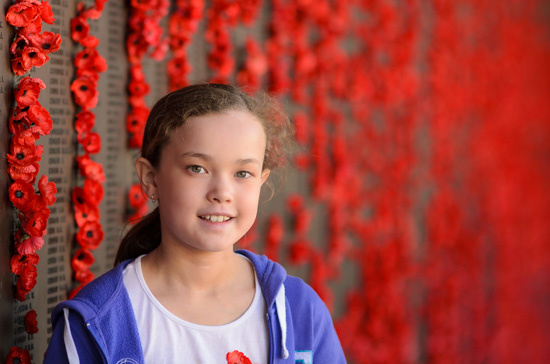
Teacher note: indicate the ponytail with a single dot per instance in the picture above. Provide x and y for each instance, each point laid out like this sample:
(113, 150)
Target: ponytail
(141, 239)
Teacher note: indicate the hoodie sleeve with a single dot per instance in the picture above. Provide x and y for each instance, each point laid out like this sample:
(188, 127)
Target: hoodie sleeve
(72, 341)
(327, 348)
(310, 326)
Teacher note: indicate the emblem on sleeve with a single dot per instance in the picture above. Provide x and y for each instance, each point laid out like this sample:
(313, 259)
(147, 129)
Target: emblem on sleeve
(303, 357)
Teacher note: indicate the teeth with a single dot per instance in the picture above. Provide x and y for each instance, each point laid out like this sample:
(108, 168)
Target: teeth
(216, 218)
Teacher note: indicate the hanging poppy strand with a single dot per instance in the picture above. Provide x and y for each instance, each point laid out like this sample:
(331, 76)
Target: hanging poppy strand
(221, 16)
(183, 24)
(27, 123)
(86, 198)
(144, 35)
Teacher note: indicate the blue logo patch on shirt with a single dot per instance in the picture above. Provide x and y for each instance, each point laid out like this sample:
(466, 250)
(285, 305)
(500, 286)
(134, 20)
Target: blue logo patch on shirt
(303, 357)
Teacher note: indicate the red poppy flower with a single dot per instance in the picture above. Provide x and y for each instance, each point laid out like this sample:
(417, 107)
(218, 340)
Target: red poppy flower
(85, 121)
(85, 92)
(89, 13)
(29, 244)
(136, 119)
(136, 72)
(47, 190)
(135, 140)
(46, 12)
(138, 214)
(100, 4)
(25, 282)
(21, 14)
(22, 195)
(90, 42)
(300, 251)
(91, 60)
(80, 198)
(35, 26)
(295, 203)
(41, 118)
(82, 260)
(90, 169)
(47, 42)
(90, 235)
(31, 325)
(79, 28)
(27, 91)
(236, 357)
(138, 88)
(18, 122)
(18, 356)
(17, 66)
(28, 136)
(84, 276)
(136, 47)
(93, 189)
(136, 196)
(159, 52)
(33, 57)
(35, 222)
(178, 67)
(85, 212)
(23, 173)
(18, 262)
(92, 143)
(20, 42)
(24, 154)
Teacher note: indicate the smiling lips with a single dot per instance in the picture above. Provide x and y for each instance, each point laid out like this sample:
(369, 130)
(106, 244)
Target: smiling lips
(215, 218)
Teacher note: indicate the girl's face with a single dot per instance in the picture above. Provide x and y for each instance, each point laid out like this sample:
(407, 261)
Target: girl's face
(209, 179)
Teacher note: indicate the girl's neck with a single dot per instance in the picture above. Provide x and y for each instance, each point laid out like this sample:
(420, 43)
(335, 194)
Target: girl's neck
(195, 270)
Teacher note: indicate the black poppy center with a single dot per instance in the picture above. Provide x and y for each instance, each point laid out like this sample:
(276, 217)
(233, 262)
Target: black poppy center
(20, 156)
(83, 88)
(78, 28)
(18, 194)
(46, 46)
(90, 234)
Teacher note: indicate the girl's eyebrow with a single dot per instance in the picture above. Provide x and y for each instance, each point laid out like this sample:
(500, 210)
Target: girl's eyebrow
(208, 158)
(202, 156)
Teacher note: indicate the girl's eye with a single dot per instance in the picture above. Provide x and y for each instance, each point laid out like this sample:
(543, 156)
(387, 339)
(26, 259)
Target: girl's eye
(196, 169)
(243, 174)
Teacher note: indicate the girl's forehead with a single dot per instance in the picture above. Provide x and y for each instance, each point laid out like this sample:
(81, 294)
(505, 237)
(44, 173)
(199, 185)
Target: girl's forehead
(232, 130)
(229, 122)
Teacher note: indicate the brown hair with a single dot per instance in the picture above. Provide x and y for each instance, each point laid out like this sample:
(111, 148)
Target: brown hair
(171, 112)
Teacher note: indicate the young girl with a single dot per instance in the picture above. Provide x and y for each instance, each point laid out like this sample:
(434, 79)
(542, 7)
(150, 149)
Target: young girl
(179, 292)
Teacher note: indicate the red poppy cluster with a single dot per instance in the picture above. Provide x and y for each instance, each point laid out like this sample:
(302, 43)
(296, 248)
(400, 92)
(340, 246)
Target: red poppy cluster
(145, 34)
(27, 123)
(86, 199)
(183, 24)
(249, 77)
(31, 46)
(220, 17)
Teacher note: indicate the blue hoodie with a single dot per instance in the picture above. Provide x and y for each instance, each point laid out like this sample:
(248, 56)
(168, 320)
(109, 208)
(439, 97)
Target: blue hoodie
(102, 326)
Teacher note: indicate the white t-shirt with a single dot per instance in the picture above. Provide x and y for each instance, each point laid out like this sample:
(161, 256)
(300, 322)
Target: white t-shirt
(167, 339)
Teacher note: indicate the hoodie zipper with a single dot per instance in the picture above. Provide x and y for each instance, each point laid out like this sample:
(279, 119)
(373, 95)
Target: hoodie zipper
(271, 346)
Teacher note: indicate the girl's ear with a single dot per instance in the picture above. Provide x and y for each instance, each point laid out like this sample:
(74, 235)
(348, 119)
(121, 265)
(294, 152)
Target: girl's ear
(146, 175)
(265, 174)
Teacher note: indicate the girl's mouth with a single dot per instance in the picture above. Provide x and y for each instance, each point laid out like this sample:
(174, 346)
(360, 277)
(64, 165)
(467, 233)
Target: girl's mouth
(215, 218)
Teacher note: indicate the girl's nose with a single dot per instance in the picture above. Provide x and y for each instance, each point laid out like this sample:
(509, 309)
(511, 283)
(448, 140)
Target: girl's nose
(220, 191)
